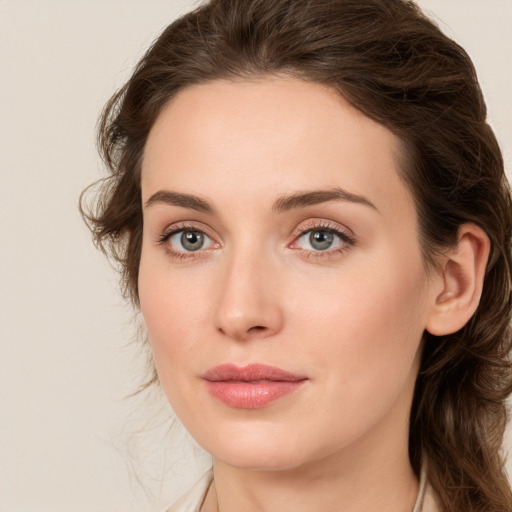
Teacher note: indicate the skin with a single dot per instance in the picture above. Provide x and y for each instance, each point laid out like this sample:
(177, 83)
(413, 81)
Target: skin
(349, 318)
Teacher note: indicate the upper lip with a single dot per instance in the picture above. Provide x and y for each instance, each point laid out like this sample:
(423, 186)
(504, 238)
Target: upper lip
(250, 373)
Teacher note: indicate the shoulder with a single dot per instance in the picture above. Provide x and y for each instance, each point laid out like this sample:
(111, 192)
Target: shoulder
(193, 499)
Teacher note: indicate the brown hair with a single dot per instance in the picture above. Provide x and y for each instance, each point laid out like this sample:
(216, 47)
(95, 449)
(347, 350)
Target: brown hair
(395, 65)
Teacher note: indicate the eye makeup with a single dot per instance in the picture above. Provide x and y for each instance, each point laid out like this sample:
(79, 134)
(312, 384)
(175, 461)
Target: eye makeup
(314, 238)
(189, 233)
(326, 239)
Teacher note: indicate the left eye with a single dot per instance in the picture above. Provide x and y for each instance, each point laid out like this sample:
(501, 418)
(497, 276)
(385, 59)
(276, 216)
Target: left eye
(319, 240)
(188, 240)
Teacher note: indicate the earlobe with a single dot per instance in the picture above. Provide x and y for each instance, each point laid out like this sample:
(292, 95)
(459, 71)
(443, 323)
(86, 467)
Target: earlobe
(462, 276)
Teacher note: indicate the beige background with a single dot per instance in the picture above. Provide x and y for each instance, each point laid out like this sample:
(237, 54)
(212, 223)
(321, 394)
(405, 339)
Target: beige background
(66, 362)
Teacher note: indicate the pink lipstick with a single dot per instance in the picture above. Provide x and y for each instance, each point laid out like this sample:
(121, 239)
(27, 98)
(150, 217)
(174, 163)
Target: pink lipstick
(251, 387)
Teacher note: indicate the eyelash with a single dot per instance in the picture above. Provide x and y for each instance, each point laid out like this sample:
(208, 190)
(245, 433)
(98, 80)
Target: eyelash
(347, 240)
(178, 228)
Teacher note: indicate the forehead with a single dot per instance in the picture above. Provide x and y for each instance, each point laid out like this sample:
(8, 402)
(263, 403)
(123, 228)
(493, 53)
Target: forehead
(272, 134)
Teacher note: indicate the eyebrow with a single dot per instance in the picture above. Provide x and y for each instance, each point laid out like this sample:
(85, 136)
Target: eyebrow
(179, 199)
(283, 204)
(301, 200)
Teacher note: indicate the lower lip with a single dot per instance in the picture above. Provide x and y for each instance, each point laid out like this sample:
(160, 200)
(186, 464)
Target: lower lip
(251, 395)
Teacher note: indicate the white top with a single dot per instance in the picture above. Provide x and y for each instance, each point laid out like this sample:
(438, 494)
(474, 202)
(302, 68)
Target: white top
(193, 500)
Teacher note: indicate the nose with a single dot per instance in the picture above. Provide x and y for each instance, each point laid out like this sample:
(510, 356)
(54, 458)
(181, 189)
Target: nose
(249, 305)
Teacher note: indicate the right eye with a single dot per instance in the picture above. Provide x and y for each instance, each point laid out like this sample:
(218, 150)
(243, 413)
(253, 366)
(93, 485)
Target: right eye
(188, 240)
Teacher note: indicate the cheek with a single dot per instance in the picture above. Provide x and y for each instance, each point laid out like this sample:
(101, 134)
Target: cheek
(366, 330)
(362, 342)
(174, 311)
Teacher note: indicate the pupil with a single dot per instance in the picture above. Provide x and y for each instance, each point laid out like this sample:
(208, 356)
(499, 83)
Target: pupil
(192, 240)
(321, 240)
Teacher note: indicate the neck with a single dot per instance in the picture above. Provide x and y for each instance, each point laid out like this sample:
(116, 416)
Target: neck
(379, 479)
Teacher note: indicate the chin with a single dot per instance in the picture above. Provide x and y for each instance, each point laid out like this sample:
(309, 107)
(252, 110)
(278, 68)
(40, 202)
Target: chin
(261, 449)
(258, 459)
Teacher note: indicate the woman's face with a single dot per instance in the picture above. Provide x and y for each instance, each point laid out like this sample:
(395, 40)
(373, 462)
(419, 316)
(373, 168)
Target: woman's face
(278, 232)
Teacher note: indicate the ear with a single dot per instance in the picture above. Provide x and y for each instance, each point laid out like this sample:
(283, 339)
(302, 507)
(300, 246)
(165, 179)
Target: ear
(460, 281)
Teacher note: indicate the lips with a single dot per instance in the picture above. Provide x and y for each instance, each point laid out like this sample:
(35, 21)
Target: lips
(251, 387)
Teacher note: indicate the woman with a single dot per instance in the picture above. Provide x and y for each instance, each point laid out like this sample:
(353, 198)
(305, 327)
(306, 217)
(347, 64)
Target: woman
(311, 213)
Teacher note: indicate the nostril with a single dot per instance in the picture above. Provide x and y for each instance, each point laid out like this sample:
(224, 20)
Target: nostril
(257, 328)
